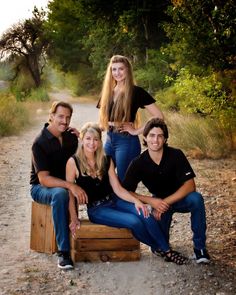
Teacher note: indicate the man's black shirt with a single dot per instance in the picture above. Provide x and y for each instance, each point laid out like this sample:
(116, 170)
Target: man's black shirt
(49, 155)
(161, 180)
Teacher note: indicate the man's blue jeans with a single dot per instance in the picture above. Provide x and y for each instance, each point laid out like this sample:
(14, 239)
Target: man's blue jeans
(193, 203)
(123, 214)
(122, 148)
(58, 199)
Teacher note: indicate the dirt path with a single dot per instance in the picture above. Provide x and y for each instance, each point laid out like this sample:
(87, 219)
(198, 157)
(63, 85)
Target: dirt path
(26, 272)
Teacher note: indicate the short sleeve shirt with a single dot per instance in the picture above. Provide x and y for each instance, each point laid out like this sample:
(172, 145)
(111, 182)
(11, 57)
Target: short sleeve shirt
(49, 155)
(161, 180)
(140, 99)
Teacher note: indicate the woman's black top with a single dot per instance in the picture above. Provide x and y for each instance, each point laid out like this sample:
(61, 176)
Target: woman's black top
(95, 188)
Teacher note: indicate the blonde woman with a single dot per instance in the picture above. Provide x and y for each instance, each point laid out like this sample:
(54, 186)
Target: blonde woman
(94, 172)
(119, 103)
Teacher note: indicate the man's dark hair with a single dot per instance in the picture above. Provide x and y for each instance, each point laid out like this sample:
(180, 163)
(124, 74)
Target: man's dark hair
(152, 123)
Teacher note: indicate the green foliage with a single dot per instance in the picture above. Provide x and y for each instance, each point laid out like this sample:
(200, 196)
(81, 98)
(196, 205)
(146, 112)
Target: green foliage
(199, 137)
(152, 75)
(14, 117)
(38, 94)
(203, 33)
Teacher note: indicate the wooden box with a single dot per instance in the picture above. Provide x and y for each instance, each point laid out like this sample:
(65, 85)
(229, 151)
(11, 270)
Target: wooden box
(95, 242)
(42, 237)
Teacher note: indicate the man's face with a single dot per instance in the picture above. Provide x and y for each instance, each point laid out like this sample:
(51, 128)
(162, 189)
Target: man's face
(155, 139)
(61, 119)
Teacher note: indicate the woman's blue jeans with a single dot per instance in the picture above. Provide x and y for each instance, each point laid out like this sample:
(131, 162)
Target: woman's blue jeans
(58, 199)
(193, 203)
(122, 148)
(123, 214)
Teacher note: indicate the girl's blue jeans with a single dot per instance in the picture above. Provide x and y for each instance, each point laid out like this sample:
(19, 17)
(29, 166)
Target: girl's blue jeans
(58, 199)
(193, 203)
(122, 148)
(119, 213)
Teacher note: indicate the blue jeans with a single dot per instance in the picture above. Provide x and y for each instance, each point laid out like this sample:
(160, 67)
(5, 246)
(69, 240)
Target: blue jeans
(123, 214)
(122, 148)
(193, 203)
(58, 199)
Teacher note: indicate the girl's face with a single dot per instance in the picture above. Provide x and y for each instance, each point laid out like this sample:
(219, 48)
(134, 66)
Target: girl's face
(119, 71)
(90, 142)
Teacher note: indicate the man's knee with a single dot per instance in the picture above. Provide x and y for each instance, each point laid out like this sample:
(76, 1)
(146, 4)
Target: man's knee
(60, 196)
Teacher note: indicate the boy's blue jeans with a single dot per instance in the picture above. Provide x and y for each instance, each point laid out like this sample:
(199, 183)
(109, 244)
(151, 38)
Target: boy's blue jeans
(119, 213)
(58, 199)
(193, 203)
(122, 148)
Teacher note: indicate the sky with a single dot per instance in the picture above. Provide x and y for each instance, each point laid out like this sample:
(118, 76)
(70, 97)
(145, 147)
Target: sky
(13, 11)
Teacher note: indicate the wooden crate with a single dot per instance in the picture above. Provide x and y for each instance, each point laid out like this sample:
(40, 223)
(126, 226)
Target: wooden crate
(42, 237)
(95, 242)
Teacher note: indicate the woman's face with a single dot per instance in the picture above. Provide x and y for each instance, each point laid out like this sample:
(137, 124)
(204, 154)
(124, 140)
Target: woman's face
(91, 142)
(119, 71)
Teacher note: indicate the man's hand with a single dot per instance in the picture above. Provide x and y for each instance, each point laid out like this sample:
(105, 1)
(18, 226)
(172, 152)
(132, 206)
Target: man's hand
(156, 214)
(74, 131)
(160, 205)
(79, 193)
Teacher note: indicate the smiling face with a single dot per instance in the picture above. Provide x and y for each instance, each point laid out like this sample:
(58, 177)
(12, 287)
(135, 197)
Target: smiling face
(60, 120)
(155, 139)
(91, 142)
(119, 71)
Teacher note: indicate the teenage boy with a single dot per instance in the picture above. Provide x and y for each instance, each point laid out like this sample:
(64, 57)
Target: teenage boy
(167, 174)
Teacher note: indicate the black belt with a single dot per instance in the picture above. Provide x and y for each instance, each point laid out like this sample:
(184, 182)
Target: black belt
(99, 202)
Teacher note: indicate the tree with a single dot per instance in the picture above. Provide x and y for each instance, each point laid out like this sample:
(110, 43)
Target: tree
(25, 44)
(203, 33)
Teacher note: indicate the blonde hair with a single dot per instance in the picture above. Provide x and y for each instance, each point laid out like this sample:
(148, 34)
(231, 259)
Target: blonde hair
(57, 104)
(94, 129)
(122, 106)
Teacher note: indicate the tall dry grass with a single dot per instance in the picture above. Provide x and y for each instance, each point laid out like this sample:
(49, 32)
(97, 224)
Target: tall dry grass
(13, 115)
(197, 136)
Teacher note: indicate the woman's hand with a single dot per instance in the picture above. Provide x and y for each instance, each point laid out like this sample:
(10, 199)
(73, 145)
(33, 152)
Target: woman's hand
(128, 127)
(75, 224)
(140, 207)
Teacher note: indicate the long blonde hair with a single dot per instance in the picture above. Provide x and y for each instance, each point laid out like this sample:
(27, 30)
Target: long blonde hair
(122, 106)
(94, 129)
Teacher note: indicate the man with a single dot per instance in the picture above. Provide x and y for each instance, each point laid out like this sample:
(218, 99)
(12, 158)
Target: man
(50, 151)
(167, 174)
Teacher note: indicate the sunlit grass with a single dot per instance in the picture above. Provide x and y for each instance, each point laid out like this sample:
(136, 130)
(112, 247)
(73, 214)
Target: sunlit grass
(198, 137)
(13, 115)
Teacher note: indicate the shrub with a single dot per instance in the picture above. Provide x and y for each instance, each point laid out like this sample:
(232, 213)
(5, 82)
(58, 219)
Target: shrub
(14, 116)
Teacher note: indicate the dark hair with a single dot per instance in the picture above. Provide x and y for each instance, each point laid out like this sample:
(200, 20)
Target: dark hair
(57, 104)
(152, 123)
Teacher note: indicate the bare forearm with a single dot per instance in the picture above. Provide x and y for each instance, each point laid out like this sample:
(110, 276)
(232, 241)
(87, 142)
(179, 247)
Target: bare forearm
(187, 188)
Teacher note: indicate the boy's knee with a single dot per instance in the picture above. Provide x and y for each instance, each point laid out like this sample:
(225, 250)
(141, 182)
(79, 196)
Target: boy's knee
(196, 199)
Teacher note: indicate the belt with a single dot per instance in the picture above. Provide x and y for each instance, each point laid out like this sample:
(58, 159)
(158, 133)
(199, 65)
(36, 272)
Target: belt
(100, 202)
(114, 129)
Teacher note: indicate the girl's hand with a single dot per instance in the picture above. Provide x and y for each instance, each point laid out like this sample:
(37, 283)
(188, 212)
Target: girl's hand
(128, 127)
(75, 224)
(140, 207)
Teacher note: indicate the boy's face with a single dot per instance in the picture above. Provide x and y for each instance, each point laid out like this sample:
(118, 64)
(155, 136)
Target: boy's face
(155, 139)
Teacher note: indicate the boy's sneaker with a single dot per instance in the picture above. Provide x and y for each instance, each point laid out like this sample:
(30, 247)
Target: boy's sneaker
(64, 260)
(202, 256)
